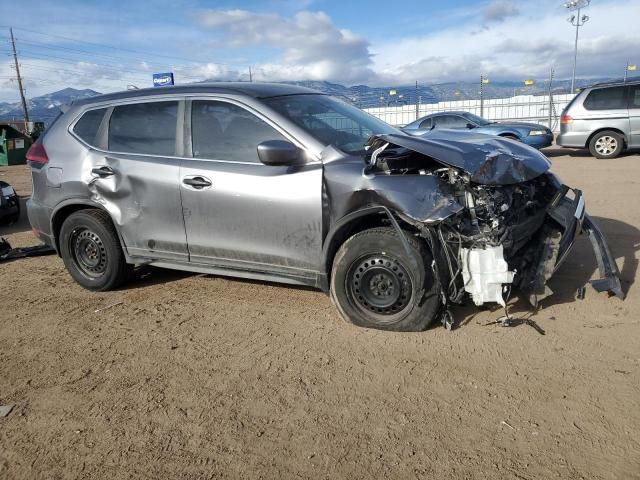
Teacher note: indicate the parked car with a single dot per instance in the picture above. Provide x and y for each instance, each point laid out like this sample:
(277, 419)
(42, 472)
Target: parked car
(604, 118)
(9, 204)
(283, 183)
(537, 136)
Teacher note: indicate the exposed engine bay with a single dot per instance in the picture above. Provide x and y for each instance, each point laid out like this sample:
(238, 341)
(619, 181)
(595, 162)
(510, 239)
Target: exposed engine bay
(516, 225)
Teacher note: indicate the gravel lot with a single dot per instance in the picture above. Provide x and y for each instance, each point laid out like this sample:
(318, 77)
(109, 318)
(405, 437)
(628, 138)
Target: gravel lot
(192, 376)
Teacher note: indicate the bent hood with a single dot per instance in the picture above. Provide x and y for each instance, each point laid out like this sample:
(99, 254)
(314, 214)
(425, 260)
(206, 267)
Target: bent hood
(488, 160)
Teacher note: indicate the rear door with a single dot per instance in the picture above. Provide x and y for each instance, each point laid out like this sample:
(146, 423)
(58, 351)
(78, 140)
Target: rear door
(605, 107)
(238, 212)
(634, 115)
(137, 178)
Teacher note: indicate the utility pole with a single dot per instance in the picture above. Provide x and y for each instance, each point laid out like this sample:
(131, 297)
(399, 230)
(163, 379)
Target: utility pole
(626, 70)
(417, 102)
(22, 98)
(482, 95)
(577, 21)
(550, 97)
(250, 75)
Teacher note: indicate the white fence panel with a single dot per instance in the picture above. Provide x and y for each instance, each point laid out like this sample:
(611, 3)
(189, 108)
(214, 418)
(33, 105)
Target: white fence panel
(526, 108)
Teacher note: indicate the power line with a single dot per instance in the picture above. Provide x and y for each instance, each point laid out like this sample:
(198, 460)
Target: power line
(139, 52)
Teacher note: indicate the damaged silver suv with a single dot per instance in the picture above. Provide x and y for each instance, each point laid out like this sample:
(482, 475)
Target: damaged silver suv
(282, 183)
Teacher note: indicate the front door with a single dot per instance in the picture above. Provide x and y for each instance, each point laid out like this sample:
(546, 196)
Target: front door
(238, 212)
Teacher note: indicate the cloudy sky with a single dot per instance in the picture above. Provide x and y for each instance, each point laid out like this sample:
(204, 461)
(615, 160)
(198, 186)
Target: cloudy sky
(108, 44)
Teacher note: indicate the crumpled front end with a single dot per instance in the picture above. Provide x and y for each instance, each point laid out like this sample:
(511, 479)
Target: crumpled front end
(515, 225)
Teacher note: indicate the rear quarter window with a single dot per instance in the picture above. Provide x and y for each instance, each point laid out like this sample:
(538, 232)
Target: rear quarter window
(605, 99)
(87, 127)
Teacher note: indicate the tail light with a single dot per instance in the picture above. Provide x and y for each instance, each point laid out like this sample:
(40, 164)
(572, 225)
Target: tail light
(37, 154)
(565, 119)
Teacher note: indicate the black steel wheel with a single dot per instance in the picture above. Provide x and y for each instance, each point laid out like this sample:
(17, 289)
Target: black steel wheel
(376, 283)
(380, 285)
(88, 252)
(91, 250)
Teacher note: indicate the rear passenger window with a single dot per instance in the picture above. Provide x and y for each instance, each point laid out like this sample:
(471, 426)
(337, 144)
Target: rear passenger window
(634, 96)
(144, 128)
(605, 99)
(87, 127)
(223, 131)
(425, 123)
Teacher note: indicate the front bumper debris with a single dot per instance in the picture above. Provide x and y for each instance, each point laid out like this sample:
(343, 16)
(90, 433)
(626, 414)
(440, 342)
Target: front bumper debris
(609, 280)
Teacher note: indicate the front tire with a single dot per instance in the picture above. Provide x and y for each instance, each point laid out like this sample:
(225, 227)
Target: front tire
(607, 144)
(376, 284)
(91, 251)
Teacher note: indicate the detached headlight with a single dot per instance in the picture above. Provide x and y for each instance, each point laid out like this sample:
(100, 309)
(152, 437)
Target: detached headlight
(537, 132)
(8, 191)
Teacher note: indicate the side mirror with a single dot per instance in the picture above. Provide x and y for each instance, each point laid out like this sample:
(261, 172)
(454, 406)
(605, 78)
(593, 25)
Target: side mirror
(280, 153)
(470, 125)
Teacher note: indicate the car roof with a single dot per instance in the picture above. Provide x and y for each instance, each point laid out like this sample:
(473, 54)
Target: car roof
(454, 112)
(251, 89)
(615, 83)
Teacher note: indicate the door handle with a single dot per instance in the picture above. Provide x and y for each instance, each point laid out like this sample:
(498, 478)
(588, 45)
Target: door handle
(103, 171)
(197, 182)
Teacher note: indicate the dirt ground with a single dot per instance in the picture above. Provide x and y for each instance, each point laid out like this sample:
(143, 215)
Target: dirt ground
(188, 376)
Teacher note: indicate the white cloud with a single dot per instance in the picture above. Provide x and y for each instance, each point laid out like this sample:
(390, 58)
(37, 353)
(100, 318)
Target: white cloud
(494, 38)
(518, 47)
(498, 11)
(311, 46)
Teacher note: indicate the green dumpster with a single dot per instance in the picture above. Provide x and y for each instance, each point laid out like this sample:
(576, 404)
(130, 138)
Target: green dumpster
(13, 146)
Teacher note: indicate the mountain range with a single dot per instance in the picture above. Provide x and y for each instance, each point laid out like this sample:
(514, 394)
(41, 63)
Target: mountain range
(46, 108)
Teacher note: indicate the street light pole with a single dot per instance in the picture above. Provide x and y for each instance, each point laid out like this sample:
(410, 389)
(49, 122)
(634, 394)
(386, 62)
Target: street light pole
(577, 21)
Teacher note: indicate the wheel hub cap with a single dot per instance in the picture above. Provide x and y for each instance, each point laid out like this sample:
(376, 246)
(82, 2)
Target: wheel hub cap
(606, 145)
(89, 252)
(379, 284)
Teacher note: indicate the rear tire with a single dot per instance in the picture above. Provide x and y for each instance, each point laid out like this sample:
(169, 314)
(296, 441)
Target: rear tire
(91, 251)
(376, 284)
(606, 144)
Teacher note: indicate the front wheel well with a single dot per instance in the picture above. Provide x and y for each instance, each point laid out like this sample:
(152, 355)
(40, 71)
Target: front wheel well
(375, 219)
(509, 135)
(606, 129)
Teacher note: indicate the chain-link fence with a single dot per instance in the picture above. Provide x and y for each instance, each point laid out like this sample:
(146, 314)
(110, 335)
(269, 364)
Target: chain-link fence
(524, 108)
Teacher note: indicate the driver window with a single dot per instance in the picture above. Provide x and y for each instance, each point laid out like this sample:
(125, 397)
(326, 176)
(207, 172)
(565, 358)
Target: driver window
(224, 131)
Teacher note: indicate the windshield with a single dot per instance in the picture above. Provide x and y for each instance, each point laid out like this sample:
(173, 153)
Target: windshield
(476, 119)
(330, 121)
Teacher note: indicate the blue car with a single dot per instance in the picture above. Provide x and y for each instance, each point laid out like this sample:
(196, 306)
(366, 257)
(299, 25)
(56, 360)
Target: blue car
(533, 134)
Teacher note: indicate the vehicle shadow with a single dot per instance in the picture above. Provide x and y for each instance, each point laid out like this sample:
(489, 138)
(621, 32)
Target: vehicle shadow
(567, 152)
(148, 276)
(22, 225)
(580, 153)
(575, 272)
(624, 242)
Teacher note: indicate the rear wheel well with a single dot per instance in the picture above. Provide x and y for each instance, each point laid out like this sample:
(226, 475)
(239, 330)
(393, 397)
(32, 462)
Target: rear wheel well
(607, 129)
(61, 215)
